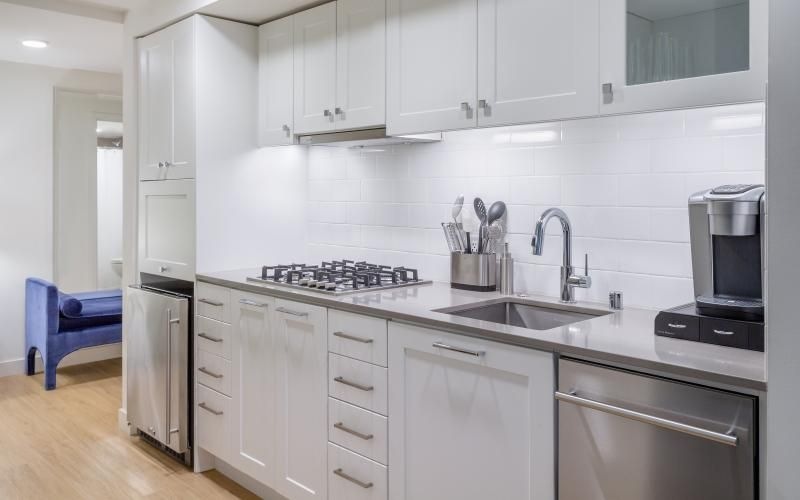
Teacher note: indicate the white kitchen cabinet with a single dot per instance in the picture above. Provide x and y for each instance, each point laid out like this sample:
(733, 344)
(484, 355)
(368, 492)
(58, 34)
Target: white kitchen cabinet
(360, 64)
(276, 82)
(472, 419)
(662, 54)
(301, 404)
(253, 381)
(213, 411)
(167, 228)
(537, 60)
(315, 69)
(166, 103)
(431, 65)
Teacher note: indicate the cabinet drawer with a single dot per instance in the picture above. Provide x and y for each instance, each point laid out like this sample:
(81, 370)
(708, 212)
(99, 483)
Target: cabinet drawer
(357, 336)
(722, 332)
(213, 337)
(357, 382)
(353, 477)
(358, 430)
(214, 302)
(214, 371)
(213, 421)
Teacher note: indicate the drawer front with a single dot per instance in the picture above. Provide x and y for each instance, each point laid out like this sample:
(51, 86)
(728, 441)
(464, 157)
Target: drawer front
(722, 332)
(358, 430)
(678, 326)
(357, 336)
(213, 337)
(213, 421)
(214, 302)
(357, 382)
(353, 477)
(214, 371)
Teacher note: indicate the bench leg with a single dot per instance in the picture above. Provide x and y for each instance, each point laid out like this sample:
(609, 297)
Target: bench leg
(50, 375)
(30, 362)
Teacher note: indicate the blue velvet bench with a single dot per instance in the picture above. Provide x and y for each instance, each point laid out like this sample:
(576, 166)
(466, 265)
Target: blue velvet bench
(57, 324)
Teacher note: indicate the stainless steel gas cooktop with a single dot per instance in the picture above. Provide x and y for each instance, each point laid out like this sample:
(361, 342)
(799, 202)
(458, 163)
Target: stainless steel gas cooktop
(338, 277)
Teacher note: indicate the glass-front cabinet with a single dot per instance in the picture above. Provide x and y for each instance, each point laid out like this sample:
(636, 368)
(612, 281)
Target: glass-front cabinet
(662, 54)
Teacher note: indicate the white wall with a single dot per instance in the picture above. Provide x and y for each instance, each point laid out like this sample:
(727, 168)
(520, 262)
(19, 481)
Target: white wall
(624, 182)
(26, 186)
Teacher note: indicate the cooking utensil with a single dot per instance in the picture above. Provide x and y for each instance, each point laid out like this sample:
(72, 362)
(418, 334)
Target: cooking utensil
(480, 210)
(468, 249)
(496, 233)
(452, 237)
(496, 211)
(458, 205)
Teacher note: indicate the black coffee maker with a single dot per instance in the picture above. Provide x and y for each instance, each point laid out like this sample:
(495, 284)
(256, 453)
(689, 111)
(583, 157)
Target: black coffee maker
(727, 240)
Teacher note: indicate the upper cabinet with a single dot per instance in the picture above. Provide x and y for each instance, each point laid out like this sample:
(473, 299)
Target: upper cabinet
(315, 69)
(536, 60)
(657, 54)
(167, 228)
(431, 64)
(166, 103)
(275, 82)
(339, 66)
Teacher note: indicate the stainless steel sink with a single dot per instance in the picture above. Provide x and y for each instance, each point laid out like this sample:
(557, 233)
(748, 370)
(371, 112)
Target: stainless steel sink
(531, 315)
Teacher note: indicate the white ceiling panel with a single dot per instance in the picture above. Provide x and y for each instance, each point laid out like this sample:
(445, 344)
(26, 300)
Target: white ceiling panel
(76, 42)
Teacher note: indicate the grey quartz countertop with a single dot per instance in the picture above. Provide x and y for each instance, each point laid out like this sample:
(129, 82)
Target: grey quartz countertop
(623, 337)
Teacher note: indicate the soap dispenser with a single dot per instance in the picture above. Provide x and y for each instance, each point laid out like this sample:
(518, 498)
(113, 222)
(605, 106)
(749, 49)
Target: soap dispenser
(506, 272)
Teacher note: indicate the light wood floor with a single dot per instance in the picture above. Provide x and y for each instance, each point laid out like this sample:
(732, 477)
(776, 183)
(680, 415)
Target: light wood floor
(65, 444)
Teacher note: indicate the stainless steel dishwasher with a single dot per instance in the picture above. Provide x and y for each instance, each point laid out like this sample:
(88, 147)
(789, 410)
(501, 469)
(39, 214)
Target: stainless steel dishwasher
(628, 436)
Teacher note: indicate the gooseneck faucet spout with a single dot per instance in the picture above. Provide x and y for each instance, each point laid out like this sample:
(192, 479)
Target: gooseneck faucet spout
(569, 280)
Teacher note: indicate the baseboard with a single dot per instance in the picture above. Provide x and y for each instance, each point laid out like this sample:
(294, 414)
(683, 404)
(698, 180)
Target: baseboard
(79, 357)
(247, 482)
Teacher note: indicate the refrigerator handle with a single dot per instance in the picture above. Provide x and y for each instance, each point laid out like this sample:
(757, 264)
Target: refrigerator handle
(170, 321)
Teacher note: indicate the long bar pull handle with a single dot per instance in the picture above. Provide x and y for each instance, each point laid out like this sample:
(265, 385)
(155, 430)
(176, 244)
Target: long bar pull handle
(168, 422)
(343, 428)
(723, 332)
(293, 313)
(679, 326)
(209, 409)
(727, 439)
(343, 335)
(350, 478)
(361, 387)
(253, 303)
(469, 352)
(208, 372)
(209, 337)
(211, 302)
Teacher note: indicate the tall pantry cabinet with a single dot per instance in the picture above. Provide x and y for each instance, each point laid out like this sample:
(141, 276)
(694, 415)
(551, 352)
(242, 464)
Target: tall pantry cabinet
(197, 86)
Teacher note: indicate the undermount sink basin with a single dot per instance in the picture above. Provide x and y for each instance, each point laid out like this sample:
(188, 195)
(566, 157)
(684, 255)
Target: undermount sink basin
(515, 312)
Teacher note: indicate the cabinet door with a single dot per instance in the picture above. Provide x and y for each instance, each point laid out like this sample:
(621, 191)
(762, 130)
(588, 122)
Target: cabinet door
(661, 54)
(315, 69)
(431, 64)
(360, 63)
(166, 103)
(537, 60)
(166, 228)
(302, 390)
(275, 82)
(253, 367)
(471, 423)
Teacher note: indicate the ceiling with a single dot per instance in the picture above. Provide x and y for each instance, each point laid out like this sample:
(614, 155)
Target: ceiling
(77, 41)
(257, 11)
(109, 130)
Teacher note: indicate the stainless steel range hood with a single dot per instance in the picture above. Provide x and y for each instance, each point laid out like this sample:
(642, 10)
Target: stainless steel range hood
(373, 137)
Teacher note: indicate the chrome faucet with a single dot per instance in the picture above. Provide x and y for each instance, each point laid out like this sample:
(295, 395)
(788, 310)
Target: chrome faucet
(568, 279)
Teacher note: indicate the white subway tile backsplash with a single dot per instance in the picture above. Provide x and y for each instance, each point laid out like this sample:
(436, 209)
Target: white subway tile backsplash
(624, 181)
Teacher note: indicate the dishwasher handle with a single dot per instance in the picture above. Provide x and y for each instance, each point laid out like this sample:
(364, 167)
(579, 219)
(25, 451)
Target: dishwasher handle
(571, 397)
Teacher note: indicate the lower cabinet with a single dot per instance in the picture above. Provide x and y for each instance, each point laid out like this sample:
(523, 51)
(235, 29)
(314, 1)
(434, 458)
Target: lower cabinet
(254, 390)
(470, 419)
(213, 422)
(302, 396)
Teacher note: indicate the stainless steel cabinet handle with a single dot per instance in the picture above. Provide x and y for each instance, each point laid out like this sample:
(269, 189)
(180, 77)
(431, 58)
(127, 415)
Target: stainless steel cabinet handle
(343, 335)
(723, 332)
(208, 372)
(477, 354)
(286, 129)
(206, 336)
(293, 313)
(167, 164)
(350, 478)
(728, 439)
(249, 302)
(338, 111)
(209, 409)
(343, 428)
(365, 388)
(163, 269)
(676, 325)
(328, 113)
(482, 104)
(161, 164)
(211, 302)
(169, 372)
(466, 107)
(608, 93)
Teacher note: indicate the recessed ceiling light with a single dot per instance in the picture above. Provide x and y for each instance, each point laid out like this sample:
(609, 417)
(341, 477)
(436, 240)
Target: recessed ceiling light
(98, 130)
(35, 44)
